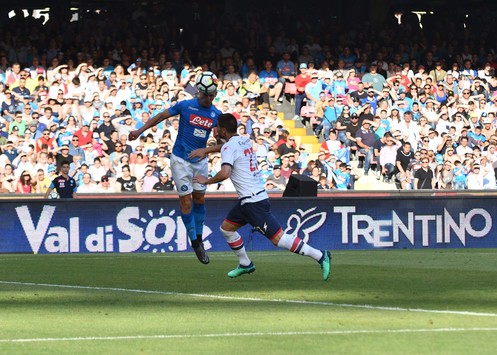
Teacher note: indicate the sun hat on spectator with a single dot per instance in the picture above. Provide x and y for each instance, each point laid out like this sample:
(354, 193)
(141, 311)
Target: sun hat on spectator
(303, 66)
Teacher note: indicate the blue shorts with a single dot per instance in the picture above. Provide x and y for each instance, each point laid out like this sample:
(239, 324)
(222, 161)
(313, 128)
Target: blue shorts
(258, 215)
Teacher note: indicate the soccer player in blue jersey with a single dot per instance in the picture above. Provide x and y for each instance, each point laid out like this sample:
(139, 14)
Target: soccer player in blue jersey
(240, 164)
(197, 118)
(63, 184)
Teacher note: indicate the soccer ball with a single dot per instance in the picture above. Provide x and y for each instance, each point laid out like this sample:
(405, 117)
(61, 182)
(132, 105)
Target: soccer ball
(53, 195)
(207, 82)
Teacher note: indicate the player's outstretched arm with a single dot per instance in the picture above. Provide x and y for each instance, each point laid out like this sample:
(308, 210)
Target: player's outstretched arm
(201, 153)
(150, 123)
(222, 175)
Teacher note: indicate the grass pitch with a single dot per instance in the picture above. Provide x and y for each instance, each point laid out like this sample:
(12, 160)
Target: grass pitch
(377, 302)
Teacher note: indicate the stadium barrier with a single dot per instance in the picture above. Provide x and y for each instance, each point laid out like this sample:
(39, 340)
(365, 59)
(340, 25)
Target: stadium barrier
(97, 224)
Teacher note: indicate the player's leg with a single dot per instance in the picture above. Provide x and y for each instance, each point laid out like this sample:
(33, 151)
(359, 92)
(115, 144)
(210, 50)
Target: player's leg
(183, 175)
(198, 210)
(229, 227)
(265, 222)
(198, 195)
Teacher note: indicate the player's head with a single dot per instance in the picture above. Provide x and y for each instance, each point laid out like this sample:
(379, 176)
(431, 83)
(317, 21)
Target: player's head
(226, 123)
(64, 166)
(205, 99)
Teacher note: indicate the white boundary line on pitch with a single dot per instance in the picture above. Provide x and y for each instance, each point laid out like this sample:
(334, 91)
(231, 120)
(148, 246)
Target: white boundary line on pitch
(251, 299)
(178, 255)
(256, 334)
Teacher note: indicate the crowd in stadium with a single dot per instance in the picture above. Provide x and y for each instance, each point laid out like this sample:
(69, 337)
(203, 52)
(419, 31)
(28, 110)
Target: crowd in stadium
(421, 117)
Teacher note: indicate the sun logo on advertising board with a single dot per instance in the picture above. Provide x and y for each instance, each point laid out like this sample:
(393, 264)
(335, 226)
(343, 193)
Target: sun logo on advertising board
(163, 225)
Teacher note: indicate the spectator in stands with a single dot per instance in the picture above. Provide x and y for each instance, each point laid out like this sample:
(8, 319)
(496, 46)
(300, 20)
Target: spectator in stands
(387, 157)
(277, 179)
(127, 182)
(271, 83)
(288, 146)
(402, 161)
(424, 177)
(365, 139)
(301, 81)
(164, 184)
(149, 180)
(87, 185)
(332, 146)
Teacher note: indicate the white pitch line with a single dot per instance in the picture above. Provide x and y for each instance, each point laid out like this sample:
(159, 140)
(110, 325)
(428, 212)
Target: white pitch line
(252, 299)
(168, 255)
(255, 334)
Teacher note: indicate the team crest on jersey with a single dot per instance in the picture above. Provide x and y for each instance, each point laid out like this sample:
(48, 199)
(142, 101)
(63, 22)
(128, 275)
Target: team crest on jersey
(213, 114)
(201, 122)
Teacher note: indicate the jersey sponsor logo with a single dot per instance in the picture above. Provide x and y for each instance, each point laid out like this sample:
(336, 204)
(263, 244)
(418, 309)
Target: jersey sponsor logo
(202, 122)
(199, 133)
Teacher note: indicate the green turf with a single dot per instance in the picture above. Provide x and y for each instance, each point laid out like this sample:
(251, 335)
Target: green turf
(284, 307)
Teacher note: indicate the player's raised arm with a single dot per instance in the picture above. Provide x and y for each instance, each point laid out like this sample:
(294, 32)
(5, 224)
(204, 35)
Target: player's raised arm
(150, 123)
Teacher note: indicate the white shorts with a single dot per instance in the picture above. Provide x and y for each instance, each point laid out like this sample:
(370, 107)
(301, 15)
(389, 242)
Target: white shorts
(183, 172)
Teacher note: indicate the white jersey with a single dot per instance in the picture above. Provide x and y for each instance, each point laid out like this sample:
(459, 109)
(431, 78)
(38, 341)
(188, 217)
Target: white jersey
(245, 173)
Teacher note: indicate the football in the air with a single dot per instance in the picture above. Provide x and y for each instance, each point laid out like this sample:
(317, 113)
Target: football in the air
(207, 82)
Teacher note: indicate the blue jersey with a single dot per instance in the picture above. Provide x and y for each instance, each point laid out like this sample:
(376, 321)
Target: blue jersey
(195, 125)
(65, 187)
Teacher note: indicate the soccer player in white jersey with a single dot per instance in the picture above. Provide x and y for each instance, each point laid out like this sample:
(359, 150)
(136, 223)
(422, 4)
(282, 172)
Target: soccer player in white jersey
(197, 118)
(239, 163)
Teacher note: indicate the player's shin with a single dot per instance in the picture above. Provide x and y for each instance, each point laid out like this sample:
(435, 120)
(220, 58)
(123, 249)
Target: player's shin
(298, 246)
(236, 244)
(189, 223)
(199, 217)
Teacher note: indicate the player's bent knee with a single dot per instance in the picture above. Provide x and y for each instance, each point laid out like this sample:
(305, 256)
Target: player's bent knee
(230, 236)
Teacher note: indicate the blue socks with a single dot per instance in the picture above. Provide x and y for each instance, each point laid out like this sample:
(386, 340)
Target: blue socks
(194, 222)
(199, 217)
(189, 225)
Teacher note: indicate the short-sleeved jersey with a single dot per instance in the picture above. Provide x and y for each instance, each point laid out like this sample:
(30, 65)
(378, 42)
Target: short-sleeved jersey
(65, 187)
(195, 125)
(245, 173)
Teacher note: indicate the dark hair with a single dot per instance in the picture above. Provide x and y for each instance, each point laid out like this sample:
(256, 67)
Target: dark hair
(64, 162)
(228, 121)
